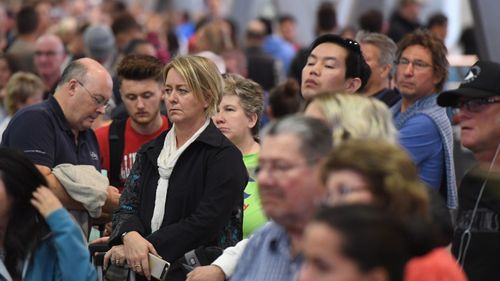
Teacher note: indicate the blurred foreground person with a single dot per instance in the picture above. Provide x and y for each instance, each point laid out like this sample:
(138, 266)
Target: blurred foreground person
(38, 238)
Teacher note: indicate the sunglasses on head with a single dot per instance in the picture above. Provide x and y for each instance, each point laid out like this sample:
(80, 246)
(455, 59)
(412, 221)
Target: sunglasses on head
(349, 44)
(352, 45)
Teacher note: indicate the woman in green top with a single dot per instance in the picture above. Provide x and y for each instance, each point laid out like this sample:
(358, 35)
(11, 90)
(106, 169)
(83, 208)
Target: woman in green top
(238, 119)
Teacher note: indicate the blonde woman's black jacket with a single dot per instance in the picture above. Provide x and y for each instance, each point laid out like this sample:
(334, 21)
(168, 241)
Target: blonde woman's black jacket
(204, 201)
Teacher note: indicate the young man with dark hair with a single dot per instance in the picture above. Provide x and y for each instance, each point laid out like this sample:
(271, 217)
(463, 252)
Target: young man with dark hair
(335, 64)
(142, 94)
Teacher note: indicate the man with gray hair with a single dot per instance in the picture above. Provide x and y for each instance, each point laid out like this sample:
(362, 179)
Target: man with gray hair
(58, 131)
(379, 52)
(291, 152)
(290, 157)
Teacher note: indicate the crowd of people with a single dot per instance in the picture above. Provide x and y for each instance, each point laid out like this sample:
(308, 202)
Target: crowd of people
(262, 160)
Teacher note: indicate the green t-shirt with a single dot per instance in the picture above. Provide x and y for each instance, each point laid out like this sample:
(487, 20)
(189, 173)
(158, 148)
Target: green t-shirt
(253, 215)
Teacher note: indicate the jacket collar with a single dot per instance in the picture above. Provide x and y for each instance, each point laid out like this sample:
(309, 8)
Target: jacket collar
(210, 136)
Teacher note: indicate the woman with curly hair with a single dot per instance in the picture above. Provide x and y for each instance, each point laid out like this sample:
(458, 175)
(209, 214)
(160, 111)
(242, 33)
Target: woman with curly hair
(380, 174)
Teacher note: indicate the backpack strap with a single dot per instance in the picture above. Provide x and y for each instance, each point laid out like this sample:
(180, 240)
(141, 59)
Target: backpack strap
(116, 147)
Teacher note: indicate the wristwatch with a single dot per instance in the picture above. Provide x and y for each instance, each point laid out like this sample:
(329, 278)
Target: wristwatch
(123, 235)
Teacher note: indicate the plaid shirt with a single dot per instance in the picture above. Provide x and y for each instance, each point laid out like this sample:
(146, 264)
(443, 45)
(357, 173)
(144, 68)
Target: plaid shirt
(267, 257)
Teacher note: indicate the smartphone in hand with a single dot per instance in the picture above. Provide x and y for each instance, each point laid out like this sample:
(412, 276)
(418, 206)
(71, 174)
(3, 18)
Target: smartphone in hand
(158, 267)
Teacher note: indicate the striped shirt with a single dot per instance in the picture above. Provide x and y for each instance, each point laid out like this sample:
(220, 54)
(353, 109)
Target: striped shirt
(267, 257)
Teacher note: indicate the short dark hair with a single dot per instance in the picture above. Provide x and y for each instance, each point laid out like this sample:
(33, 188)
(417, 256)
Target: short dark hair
(434, 45)
(371, 21)
(133, 44)
(356, 66)
(268, 23)
(27, 20)
(437, 19)
(11, 62)
(371, 237)
(285, 99)
(326, 17)
(140, 67)
(124, 22)
(286, 17)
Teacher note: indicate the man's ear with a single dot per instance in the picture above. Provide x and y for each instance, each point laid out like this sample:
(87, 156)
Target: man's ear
(386, 70)
(72, 84)
(352, 85)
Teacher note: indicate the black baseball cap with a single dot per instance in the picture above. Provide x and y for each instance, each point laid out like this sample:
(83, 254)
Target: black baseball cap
(481, 81)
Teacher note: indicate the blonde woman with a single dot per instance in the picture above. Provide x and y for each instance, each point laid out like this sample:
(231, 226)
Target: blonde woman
(22, 89)
(185, 189)
(353, 116)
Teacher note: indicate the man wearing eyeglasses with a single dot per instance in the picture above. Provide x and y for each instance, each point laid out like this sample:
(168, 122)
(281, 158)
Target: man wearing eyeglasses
(477, 231)
(289, 162)
(49, 56)
(334, 64)
(291, 153)
(424, 128)
(57, 131)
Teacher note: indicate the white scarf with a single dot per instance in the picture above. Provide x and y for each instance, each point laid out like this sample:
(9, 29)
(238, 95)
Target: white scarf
(166, 163)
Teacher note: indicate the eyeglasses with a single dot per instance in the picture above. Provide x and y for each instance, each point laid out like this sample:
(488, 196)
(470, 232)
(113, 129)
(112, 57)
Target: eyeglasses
(417, 64)
(341, 191)
(46, 53)
(98, 99)
(475, 105)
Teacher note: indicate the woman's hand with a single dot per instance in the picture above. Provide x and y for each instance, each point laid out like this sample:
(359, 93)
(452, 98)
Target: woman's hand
(100, 240)
(116, 256)
(206, 273)
(136, 250)
(45, 201)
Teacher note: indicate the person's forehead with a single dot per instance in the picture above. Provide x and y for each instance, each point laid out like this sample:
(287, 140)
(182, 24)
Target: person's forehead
(369, 46)
(49, 44)
(281, 147)
(144, 84)
(417, 52)
(329, 49)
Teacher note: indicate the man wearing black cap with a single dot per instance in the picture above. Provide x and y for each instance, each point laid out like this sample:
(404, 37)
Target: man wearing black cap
(476, 242)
